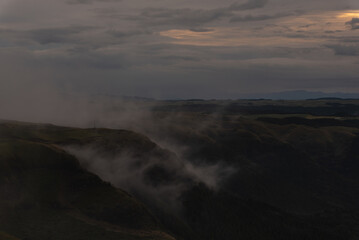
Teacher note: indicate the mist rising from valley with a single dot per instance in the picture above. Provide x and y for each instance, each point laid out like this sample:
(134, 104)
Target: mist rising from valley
(203, 168)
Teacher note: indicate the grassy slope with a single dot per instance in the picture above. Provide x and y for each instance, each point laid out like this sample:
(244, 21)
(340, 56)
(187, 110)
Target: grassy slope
(304, 168)
(272, 155)
(293, 166)
(5, 236)
(46, 194)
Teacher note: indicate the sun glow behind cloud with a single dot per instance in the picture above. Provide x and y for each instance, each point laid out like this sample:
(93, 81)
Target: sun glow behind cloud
(309, 30)
(228, 37)
(139, 42)
(350, 14)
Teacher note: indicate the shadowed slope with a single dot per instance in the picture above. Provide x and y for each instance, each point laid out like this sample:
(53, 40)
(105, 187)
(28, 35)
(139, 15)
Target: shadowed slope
(47, 195)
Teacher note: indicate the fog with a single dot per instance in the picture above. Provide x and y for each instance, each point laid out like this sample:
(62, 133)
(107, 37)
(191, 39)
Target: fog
(158, 182)
(44, 103)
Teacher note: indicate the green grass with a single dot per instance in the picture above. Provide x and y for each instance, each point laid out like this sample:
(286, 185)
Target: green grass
(284, 168)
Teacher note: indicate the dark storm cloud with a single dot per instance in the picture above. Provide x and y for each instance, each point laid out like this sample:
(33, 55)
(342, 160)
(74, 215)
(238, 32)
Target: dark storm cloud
(251, 4)
(127, 34)
(177, 57)
(331, 32)
(350, 39)
(262, 17)
(44, 35)
(193, 17)
(297, 35)
(345, 50)
(307, 25)
(181, 17)
(201, 30)
(164, 48)
(354, 23)
(55, 35)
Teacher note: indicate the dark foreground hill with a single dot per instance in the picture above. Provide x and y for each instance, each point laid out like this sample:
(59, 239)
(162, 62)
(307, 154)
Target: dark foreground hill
(289, 179)
(45, 194)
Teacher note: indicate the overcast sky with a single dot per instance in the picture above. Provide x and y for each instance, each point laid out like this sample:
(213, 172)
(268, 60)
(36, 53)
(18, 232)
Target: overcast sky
(178, 48)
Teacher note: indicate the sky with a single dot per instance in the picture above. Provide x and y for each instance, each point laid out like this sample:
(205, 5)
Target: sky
(177, 48)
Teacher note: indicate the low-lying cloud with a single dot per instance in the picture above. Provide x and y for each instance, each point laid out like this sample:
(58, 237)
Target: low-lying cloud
(248, 18)
(157, 181)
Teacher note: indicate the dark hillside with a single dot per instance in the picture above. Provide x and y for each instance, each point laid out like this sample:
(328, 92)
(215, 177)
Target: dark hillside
(47, 195)
(290, 178)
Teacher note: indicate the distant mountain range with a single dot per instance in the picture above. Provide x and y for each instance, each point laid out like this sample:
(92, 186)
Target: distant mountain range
(301, 95)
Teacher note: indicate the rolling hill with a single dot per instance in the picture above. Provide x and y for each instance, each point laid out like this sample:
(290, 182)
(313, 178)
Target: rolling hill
(191, 175)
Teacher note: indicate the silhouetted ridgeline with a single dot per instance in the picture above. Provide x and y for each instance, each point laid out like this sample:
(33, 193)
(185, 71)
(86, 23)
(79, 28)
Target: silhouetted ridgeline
(320, 107)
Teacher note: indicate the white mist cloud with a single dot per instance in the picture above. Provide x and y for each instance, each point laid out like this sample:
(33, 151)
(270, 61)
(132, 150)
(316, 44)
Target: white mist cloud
(159, 182)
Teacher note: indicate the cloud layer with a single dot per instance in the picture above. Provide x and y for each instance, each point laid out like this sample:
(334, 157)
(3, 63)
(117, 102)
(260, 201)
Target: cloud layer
(180, 49)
